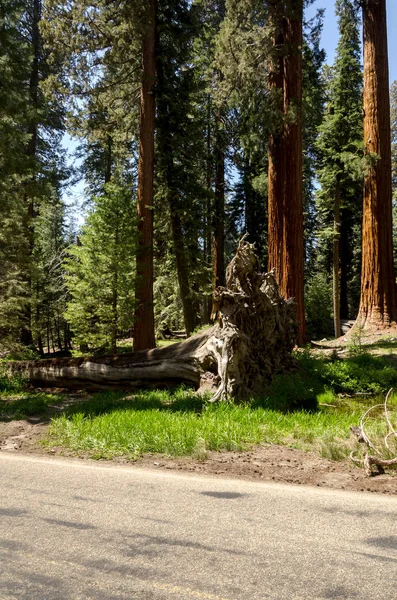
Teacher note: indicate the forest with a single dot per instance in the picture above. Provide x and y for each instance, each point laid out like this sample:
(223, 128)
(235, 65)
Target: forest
(196, 122)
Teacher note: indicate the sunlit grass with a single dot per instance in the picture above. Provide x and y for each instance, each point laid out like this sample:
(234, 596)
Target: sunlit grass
(311, 408)
(182, 424)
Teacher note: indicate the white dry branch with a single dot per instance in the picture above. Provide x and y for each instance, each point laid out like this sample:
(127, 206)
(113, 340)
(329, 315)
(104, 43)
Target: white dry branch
(361, 432)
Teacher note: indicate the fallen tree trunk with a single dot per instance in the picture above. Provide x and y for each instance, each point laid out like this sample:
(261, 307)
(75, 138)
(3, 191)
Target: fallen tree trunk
(251, 342)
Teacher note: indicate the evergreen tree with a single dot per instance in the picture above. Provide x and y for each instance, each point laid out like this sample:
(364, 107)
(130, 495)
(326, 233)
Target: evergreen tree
(340, 147)
(31, 162)
(393, 120)
(14, 58)
(181, 162)
(100, 271)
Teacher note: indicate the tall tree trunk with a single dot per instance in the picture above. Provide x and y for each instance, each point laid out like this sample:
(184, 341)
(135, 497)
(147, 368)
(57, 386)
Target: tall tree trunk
(144, 337)
(208, 215)
(219, 233)
(115, 295)
(31, 151)
(335, 262)
(276, 155)
(108, 159)
(181, 266)
(174, 203)
(378, 288)
(292, 280)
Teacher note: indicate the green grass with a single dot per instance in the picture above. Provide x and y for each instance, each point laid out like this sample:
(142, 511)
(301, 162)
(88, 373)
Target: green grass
(311, 408)
(26, 404)
(18, 402)
(181, 424)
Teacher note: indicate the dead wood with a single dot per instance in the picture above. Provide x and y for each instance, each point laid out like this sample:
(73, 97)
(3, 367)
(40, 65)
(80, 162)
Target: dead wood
(369, 460)
(252, 341)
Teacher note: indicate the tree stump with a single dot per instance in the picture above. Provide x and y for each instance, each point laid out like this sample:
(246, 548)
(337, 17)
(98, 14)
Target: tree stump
(236, 358)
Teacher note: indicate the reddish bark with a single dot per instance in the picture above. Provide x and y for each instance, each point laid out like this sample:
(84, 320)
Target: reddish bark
(292, 283)
(276, 156)
(378, 290)
(144, 316)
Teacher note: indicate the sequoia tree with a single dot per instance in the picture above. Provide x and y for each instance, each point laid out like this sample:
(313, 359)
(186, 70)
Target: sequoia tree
(276, 154)
(292, 278)
(378, 289)
(144, 315)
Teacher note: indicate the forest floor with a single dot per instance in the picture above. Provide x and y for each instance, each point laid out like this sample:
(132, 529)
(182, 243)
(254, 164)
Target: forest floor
(301, 455)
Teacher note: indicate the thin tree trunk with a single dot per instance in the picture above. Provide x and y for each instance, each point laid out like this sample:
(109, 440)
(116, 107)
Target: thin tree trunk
(115, 297)
(219, 233)
(335, 262)
(345, 252)
(40, 345)
(276, 155)
(144, 337)
(174, 203)
(378, 288)
(108, 159)
(48, 336)
(292, 284)
(58, 334)
(181, 266)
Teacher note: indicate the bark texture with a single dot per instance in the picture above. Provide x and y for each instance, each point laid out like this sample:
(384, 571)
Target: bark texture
(285, 172)
(144, 315)
(293, 279)
(236, 358)
(378, 290)
(276, 156)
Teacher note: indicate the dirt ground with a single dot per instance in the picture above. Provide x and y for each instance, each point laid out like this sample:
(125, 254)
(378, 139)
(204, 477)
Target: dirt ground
(264, 463)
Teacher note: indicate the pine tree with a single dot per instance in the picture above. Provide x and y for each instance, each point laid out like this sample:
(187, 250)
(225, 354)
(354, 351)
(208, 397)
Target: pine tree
(181, 146)
(100, 271)
(340, 148)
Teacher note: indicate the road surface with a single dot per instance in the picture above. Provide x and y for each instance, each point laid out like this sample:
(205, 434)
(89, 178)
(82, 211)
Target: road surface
(74, 530)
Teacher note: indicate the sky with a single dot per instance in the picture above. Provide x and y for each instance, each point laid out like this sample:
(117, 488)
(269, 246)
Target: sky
(329, 37)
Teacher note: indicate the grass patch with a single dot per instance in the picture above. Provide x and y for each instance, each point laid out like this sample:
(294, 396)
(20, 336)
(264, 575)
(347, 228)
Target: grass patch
(26, 405)
(181, 424)
(10, 385)
(311, 408)
(358, 374)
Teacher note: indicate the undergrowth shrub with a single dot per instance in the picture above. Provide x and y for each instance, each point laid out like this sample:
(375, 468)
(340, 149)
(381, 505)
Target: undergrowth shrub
(318, 304)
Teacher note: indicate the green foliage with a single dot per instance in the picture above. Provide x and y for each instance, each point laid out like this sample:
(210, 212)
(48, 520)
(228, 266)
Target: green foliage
(100, 270)
(10, 385)
(27, 405)
(340, 151)
(362, 373)
(318, 305)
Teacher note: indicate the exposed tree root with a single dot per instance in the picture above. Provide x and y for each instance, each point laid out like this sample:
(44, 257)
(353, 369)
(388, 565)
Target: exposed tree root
(252, 341)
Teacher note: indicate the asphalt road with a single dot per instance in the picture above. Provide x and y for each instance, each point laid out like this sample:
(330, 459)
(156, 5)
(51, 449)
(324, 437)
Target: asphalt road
(73, 530)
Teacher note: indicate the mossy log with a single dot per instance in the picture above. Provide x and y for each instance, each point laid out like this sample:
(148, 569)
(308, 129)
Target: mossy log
(252, 340)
